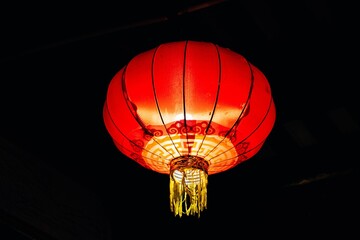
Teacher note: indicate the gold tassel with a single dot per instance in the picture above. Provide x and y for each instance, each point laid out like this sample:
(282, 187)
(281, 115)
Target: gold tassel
(188, 185)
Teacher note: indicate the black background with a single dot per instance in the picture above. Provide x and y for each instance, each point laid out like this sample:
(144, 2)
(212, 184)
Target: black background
(58, 58)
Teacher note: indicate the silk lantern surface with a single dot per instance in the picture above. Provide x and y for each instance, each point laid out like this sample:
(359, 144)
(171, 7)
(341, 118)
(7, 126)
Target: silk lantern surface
(189, 109)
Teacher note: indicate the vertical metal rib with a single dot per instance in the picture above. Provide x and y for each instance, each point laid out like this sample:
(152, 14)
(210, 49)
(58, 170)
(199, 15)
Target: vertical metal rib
(158, 107)
(183, 96)
(237, 122)
(216, 100)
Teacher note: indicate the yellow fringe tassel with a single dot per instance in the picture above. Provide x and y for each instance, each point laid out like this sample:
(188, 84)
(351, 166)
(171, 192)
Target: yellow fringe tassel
(187, 195)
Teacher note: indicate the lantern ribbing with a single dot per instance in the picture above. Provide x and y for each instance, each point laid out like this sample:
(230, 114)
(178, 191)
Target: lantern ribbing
(189, 109)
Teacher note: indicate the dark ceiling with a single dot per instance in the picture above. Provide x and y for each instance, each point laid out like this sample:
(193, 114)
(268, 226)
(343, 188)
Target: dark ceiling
(57, 60)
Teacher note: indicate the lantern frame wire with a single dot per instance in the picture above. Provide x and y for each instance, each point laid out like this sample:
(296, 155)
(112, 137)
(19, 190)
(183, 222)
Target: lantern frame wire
(188, 147)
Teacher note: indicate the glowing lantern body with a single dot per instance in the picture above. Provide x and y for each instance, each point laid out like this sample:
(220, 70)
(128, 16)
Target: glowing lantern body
(189, 109)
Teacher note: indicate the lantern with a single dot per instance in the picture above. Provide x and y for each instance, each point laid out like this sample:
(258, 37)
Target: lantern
(189, 109)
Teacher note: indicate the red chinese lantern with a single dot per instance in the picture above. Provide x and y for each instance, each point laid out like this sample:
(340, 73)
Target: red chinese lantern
(189, 109)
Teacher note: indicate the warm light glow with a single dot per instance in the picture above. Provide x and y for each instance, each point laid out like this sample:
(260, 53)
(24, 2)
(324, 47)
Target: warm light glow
(181, 117)
(215, 149)
(226, 115)
(189, 109)
(191, 176)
